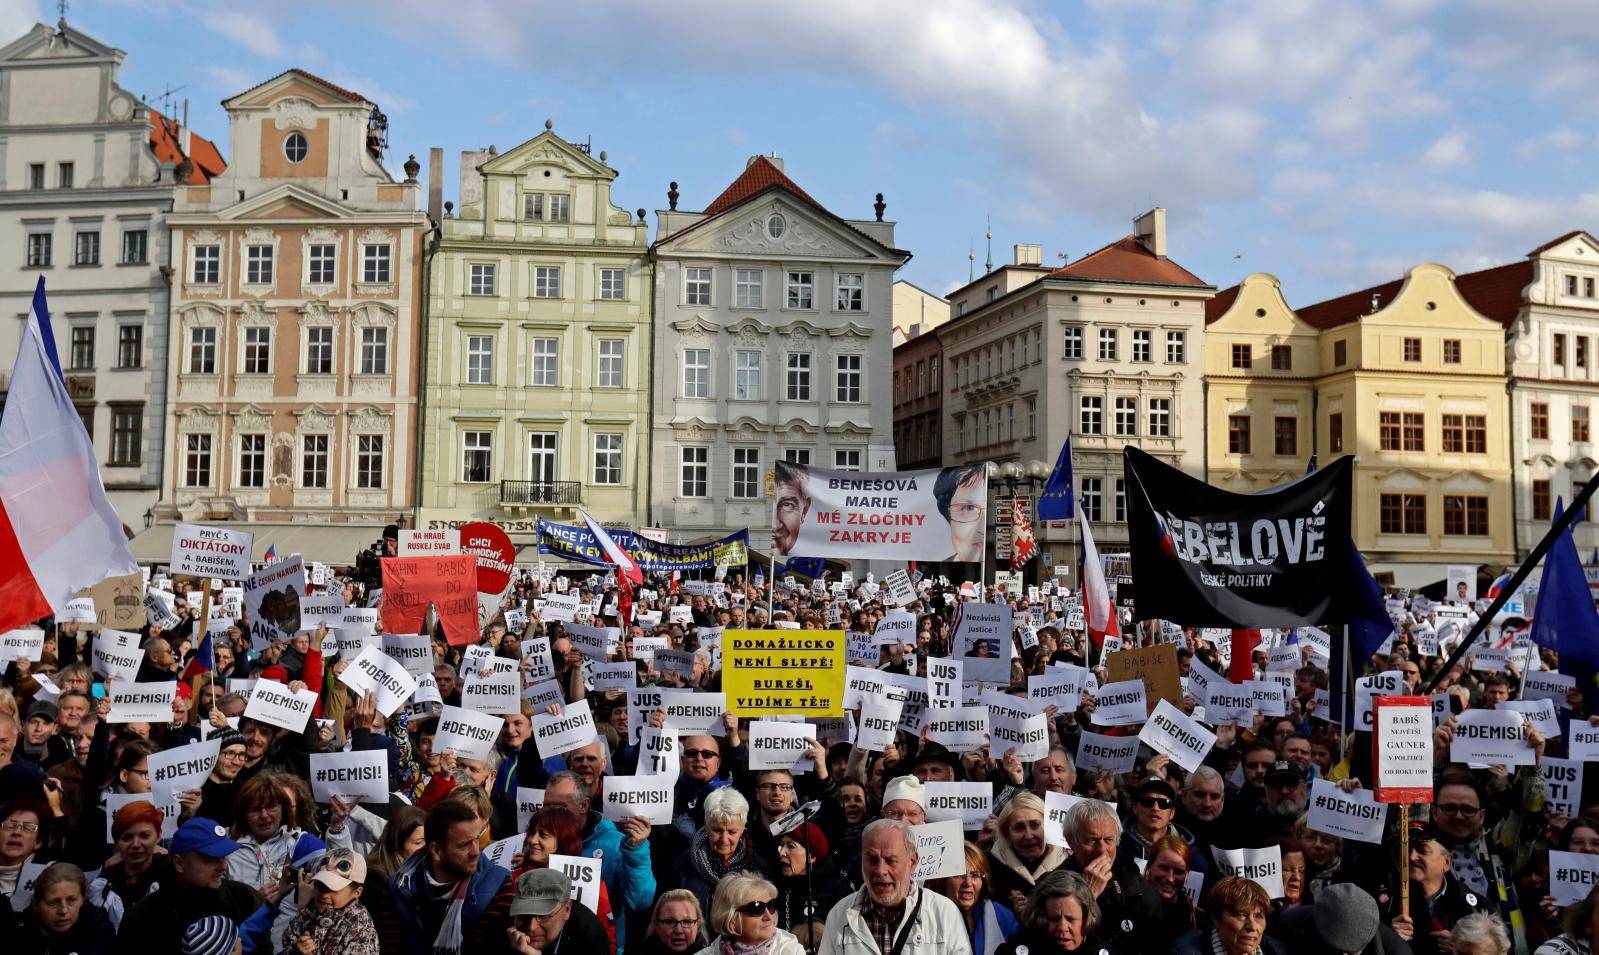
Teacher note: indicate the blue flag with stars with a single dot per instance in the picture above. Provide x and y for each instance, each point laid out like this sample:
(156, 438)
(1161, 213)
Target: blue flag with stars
(1564, 619)
(1055, 503)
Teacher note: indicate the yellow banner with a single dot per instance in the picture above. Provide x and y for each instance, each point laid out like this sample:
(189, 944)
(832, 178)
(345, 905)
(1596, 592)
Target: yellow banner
(783, 672)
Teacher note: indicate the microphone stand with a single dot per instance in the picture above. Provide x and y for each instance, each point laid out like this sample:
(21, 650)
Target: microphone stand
(788, 822)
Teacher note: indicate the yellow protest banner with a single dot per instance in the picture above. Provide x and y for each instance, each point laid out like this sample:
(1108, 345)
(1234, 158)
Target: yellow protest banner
(781, 672)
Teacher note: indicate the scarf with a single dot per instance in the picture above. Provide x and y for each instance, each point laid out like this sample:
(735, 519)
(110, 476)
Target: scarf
(449, 941)
(727, 946)
(710, 867)
(993, 935)
(1051, 860)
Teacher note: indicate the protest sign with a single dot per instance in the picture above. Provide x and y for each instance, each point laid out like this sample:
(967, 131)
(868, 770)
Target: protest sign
(1156, 666)
(896, 627)
(321, 610)
(359, 775)
(1011, 727)
(495, 555)
(1174, 733)
(77, 610)
(799, 672)
(118, 602)
(1261, 866)
(159, 609)
(1494, 737)
(660, 752)
(967, 803)
(536, 652)
(1548, 685)
(498, 694)
(1572, 876)
(982, 640)
(596, 642)
(1540, 715)
(959, 729)
(502, 852)
(695, 713)
(879, 721)
(940, 850)
(1353, 815)
(142, 702)
(674, 663)
(1229, 704)
(777, 745)
(374, 670)
(428, 542)
(1267, 697)
(559, 608)
(205, 550)
(274, 703)
(544, 693)
(1402, 749)
(585, 876)
(862, 684)
(117, 654)
(1061, 685)
(912, 693)
(648, 796)
(1486, 659)
(900, 591)
(414, 652)
(613, 676)
(1386, 683)
(943, 681)
(170, 808)
(449, 584)
(1562, 785)
(1200, 680)
(24, 644)
(1119, 754)
(471, 735)
(1121, 704)
(182, 768)
(563, 732)
(272, 600)
(528, 801)
(1286, 658)
(1583, 743)
(905, 515)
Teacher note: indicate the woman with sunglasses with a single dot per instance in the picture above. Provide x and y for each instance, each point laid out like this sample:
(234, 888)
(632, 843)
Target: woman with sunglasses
(989, 924)
(744, 917)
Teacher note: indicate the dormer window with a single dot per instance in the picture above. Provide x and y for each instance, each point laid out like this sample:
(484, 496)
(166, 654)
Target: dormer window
(295, 147)
(776, 225)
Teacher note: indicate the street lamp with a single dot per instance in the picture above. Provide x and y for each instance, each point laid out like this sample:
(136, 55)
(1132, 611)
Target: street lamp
(149, 517)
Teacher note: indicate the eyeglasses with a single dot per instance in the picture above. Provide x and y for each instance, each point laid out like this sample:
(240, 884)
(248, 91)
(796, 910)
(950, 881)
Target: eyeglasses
(701, 754)
(12, 825)
(674, 924)
(1151, 802)
(757, 909)
(777, 787)
(545, 918)
(1455, 809)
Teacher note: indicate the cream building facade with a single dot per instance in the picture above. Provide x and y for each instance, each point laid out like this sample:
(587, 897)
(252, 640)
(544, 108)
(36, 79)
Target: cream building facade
(538, 358)
(916, 311)
(293, 392)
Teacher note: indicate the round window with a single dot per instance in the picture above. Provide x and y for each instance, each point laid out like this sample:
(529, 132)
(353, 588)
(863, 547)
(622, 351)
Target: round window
(776, 226)
(294, 147)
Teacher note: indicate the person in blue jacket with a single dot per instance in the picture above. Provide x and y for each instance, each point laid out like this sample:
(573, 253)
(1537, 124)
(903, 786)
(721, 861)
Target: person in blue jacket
(624, 853)
(989, 924)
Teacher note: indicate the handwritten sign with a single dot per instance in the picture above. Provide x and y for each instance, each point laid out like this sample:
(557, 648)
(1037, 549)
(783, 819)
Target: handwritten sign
(1402, 746)
(428, 542)
(449, 584)
(940, 850)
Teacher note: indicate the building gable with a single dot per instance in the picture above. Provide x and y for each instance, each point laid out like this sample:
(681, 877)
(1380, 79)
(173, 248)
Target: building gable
(776, 226)
(547, 150)
(286, 202)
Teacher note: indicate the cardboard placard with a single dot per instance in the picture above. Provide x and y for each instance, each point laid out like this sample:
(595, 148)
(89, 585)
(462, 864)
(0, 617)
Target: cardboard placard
(118, 602)
(1156, 666)
(448, 584)
(1402, 744)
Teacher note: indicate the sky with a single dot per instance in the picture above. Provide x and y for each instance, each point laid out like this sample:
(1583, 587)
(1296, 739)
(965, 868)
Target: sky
(1332, 143)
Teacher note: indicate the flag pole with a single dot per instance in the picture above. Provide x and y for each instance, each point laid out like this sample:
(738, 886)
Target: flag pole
(1559, 527)
(205, 630)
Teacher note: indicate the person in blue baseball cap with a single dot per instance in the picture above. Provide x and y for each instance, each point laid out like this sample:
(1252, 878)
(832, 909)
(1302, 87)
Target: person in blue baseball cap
(200, 853)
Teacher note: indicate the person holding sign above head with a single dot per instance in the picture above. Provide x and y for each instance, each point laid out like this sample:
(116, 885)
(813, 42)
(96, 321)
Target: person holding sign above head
(546, 921)
(1437, 899)
(624, 853)
(1061, 916)
(744, 917)
(890, 913)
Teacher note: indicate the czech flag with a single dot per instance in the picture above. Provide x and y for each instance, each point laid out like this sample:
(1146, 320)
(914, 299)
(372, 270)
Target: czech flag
(271, 554)
(58, 532)
(626, 566)
(203, 661)
(1099, 614)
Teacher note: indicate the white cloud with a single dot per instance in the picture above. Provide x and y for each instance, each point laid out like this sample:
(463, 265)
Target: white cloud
(379, 94)
(251, 32)
(1563, 139)
(17, 17)
(1448, 151)
(230, 80)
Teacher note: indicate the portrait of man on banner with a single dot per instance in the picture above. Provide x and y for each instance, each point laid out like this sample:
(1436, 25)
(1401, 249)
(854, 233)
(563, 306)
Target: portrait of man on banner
(898, 515)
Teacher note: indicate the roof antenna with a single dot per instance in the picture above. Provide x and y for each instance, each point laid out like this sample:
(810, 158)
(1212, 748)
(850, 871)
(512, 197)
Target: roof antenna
(988, 266)
(971, 261)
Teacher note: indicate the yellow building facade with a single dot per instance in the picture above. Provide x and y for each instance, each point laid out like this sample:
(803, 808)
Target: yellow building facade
(1407, 376)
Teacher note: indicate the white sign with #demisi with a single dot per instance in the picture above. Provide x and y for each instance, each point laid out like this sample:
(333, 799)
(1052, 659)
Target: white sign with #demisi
(1572, 876)
(274, 703)
(1173, 732)
(469, 734)
(142, 702)
(647, 796)
(1121, 704)
(563, 732)
(879, 721)
(1353, 815)
(1490, 737)
(1261, 866)
(1119, 754)
(774, 745)
(389, 681)
(967, 803)
(359, 775)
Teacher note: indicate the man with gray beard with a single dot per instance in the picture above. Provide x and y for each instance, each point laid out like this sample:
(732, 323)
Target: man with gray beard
(890, 912)
(1287, 798)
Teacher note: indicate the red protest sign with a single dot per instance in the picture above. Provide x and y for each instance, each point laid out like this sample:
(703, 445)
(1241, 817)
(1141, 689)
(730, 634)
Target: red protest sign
(449, 583)
(495, 554)
(1401, 733)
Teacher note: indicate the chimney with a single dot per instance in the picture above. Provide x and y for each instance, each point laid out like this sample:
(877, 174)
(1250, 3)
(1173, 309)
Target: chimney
(436, 183)
(1029, 253)
(1150, 229)
(774, 159)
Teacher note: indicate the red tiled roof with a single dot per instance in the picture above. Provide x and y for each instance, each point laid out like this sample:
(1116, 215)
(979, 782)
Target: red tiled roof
(1554, 242)
(166, 143)
(348, 94)
(1126, 260)
(1495, 292)
(1218, 304)
(760, 175)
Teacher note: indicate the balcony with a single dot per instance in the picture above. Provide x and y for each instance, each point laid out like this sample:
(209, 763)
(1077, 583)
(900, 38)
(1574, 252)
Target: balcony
(537, 493)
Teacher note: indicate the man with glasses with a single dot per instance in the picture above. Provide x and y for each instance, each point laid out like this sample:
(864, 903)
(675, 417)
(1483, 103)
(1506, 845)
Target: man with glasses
(1246, 807)
(701, 776)
(222, 784)
(1153, 819)
(1478, 859)
(544, 919)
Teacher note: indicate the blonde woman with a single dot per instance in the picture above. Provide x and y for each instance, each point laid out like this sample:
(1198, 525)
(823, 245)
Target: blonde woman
(744, 919)
(1020, 856)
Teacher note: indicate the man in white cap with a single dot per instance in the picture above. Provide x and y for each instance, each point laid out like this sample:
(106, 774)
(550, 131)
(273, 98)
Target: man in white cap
(905, 799)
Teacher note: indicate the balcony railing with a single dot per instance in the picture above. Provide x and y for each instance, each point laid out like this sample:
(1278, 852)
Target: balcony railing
(530, 493)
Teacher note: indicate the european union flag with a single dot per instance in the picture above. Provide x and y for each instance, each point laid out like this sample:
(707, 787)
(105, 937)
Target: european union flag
(811, 567)
(1056, 503)
(1564, 619)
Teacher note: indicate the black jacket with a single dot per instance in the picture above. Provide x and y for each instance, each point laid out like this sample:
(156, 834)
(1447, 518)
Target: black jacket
(92, 934)
(156, 924)
(583, 935)
(798, 903)
(1129, 911)
(1296, 929)
(1032, 944)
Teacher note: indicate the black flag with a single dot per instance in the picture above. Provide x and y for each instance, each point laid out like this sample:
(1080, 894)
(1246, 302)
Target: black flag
(1205, 557)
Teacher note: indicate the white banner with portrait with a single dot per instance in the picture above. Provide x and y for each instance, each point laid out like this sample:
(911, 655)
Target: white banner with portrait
(898, 515)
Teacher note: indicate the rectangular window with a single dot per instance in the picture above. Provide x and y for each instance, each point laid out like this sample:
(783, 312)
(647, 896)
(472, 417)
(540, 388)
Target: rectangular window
(135, 247)
(197, 460)
(1335, 432)
(696, 373)
(1587, 288)
(258, 265)
(547, 281)
(851, 292)
(86, 415)
(1091, 414)
(542, 456)
(1412, 349)
(847, 379)
(696, 286)
(202, 351)
(932, 372)
(368, 461)
(207, 265)
(847, 459)
(1074, 341)
(1107, 344)
(1451, 351)
(1340, 352)
(607, 459)
(746, 473)
(480, 359)
(1465, 515)
(1465, 434)
(1241, 356)
(1142, 344)
(1579, 423)
(374, 351)
(375, 264)
(477, 456)
(82, 357)
(799, 376)
(1282, 358)
(1285, 437)
(481, 281)
(127, 436)
(1126, 416)
(1238, 434)
(252, 460)
(1402, 513)
(801, 288)
(611, 363)
(64, 175)
(1539, 424)
(694, 478)
(1119, 501)
(533, 206)
(1160, 417)
(257, 350)
(1560, 348)
(1032, 417)
(747, 375)
(1541, 510)
(797, 456)
(39, 249)
(319, 350)
(86, 248)
(35, 175)
(1581, 351)
(613, 284)
(319, 264)
(1401, 431)
(1092, 497)
(546, 362)
(314, 461)
(1176, 348)
(560, 208)
(747, 288)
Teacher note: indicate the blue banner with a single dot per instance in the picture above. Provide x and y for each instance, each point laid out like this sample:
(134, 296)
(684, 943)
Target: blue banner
(577, 543)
